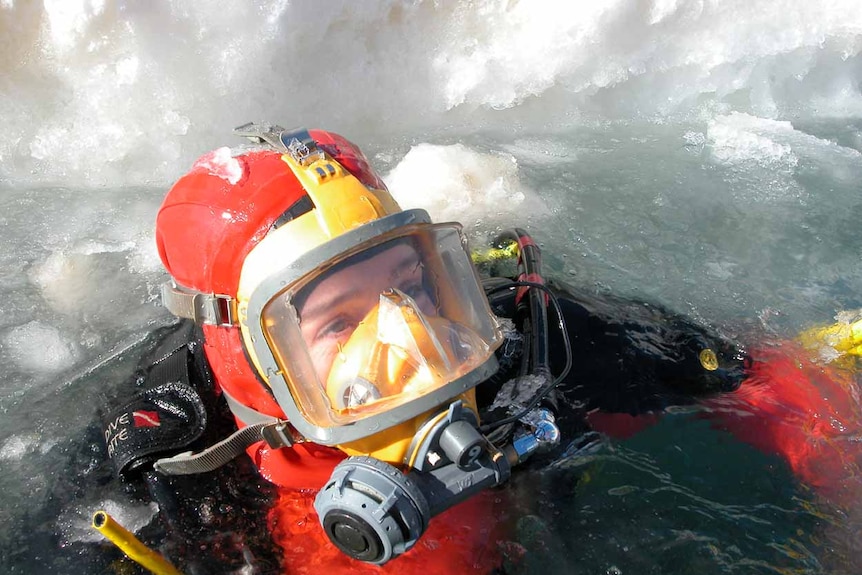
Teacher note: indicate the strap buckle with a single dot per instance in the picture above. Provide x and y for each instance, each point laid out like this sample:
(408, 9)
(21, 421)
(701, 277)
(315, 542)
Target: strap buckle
(222, 309)
(277, 435)
(203, 308)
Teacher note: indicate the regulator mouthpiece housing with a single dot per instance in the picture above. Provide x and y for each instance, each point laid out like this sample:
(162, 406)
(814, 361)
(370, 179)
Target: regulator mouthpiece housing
(373, 512)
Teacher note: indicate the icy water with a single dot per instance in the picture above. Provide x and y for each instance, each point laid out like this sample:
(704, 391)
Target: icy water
(703, 155)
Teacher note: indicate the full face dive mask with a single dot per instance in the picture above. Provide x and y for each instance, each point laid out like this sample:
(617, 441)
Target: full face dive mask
(370, 328)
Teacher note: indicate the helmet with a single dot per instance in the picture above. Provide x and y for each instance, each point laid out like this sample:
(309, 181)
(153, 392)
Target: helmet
(321, 300)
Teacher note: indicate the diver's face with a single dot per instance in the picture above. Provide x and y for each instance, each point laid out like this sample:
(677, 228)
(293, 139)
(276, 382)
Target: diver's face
(333, 310)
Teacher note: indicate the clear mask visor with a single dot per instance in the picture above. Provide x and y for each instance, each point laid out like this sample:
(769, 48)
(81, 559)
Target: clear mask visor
(380, 327)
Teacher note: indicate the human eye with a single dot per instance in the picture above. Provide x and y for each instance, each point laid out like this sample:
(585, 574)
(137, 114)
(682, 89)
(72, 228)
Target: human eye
(414, 289)
(339, 327)
(411, 280)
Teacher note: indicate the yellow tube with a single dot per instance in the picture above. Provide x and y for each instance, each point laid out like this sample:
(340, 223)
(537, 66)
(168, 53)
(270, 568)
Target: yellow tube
(844, 337)
(509, 251)
(131, 545)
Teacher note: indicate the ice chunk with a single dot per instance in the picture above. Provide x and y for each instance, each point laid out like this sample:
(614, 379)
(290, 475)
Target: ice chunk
(457, 183)
(40, 348)
(91, 281)
(222, 164)
(17, 446)
(741, 138)
(68, 20)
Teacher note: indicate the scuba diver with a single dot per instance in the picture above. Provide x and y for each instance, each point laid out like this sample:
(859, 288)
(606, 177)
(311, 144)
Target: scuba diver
(347, 387)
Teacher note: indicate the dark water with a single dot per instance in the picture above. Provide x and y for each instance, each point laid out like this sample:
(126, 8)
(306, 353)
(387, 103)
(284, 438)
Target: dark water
(678, 498)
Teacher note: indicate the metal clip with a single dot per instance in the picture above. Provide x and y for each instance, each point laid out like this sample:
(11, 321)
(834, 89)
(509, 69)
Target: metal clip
(203, 308)
(260, 133)
(223, 310)
(214, 309)
(301, 147)
(277, 435)
(297, 142)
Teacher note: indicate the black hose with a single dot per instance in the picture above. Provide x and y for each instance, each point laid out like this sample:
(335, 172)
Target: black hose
(533, 312)
(545, 390)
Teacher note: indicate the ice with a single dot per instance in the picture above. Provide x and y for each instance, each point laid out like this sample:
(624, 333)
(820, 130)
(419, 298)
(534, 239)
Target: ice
(457, 183)
(542, 151)
(144, 257)
(96, 92)
(221, 164)
(518, 55)
(770, 154)
(720, 270)
(68, 20)
(127, 70)
(17, 446)
(740, 138)
(39, 348)
(82, 279)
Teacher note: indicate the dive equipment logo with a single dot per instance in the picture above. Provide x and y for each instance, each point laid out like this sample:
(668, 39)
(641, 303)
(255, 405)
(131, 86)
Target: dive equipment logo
(118, 430)
(146, 418)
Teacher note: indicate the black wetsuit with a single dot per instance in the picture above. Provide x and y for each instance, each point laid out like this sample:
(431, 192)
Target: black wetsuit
(628, 357)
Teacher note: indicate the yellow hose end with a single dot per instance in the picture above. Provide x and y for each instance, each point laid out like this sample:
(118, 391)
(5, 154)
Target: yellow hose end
(131, 545)
(857, 351)
(840, 336)
(841, 341)
(509, 251)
